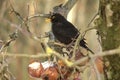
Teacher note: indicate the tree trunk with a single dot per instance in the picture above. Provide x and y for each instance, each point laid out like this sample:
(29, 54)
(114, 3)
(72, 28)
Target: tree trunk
(108, 26)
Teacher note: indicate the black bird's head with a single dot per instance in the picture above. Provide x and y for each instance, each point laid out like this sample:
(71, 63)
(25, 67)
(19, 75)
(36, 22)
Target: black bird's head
(56, 17)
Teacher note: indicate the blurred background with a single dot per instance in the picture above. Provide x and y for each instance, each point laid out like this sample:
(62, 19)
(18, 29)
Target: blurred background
(80, 16)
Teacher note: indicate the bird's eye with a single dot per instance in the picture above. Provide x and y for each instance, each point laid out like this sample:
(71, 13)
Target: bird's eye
(53, 17)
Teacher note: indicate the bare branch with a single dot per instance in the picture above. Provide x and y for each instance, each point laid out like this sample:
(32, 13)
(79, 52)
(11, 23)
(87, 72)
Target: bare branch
(100, 54)
(39, 55)
(6, 44)
(38, 15)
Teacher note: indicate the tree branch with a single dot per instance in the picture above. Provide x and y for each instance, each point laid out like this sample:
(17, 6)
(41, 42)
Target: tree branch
(100, 54)
(39, 55)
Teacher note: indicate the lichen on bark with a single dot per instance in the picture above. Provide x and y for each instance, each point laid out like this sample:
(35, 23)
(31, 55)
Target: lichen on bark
(108, 26)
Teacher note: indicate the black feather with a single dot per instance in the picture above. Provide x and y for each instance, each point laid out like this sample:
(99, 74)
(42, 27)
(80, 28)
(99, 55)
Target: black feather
(65, 31)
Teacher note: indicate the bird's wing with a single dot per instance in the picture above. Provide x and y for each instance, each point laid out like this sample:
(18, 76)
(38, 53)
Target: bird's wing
(66, 30)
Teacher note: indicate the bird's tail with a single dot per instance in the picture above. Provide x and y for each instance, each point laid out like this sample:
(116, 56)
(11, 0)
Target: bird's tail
(83, 44)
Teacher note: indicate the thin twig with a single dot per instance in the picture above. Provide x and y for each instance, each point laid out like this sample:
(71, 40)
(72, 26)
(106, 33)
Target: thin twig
(80, 37)
(100, 54)
(38, 15)
(5, 45)
(84, 32)
(92, 19)
(39, 55)
(16, 13)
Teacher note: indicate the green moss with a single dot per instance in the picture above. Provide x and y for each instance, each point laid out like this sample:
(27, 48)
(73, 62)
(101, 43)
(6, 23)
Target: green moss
(110, 35)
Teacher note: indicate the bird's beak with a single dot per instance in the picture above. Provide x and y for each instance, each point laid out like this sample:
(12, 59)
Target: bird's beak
(47, 19)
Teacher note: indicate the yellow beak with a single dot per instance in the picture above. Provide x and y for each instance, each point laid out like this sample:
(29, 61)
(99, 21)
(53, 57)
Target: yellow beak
(47, 19)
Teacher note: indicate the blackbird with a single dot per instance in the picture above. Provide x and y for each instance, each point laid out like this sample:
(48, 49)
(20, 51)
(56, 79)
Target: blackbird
(65, 32)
